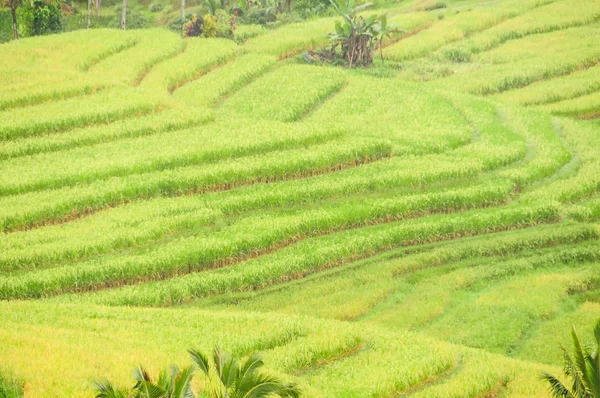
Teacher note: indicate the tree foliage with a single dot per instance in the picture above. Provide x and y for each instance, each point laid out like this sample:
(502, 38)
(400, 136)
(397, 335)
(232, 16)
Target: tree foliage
(583, 369)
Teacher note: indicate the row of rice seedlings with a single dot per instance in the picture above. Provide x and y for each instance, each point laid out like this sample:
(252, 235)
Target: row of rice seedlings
(362, 100)
(209, 88)
(454, 28)
(154, 152)
(496, 147)
(154, 46)
(286, 94)
(166, 120)
(392, 364)
(292, 38)
(199, 56)
(248, 31)
(586, 106)
(102, 107)
(435, 299)
(364, 289)
(38, 207)
(558, 15)
(304, 258)
(573, 85)
(75, 340)
(344, 293)
(515, 305)
(82, 342)
(549, 153)
(522, 62)
(545, 342)
(48, 92)
(583, 139)
(474, 376)
(32, 64)
(586, 211)
(248, 234)
(114, 49)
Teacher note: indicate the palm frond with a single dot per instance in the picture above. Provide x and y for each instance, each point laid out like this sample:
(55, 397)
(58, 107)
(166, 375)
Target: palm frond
(557, 389)
(200, 360)
(182, 387)
(105, 389)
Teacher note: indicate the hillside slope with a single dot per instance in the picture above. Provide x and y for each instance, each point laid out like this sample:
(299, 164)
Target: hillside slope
(426, 227)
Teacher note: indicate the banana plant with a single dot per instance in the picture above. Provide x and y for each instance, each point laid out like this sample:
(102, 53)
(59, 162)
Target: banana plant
(356, 35)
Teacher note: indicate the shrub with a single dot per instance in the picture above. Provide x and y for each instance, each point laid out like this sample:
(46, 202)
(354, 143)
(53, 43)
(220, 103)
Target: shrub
(209, 28)
(435, 6)
(155, 7)
(38, 17)
(225, 24)
(456, 54)
(194, 27)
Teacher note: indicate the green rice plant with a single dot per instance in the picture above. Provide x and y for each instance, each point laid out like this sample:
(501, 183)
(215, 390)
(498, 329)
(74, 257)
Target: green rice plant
(454, 28)
(586, 211)
(49, 92)
(114, 229)
(166, 120)
(394, 365)
(547, 151)
(155, 152)
(583, 139)
(153, 46)
(470, 377)
(209, 88)
(306, 257)
(43, 68)
(248, 233)
(112, 50)
(286, 94)
(495, 147)
(245, 32)
(290, 39)
(200, 55)
(36, 207)
(557, 15)
(518, 63)
(316, 351)
(586, 106)
(105, 106)
(495, 320)
(95, 351)
(573, 85)
(344, 293)
(544, 345)
(362, 101)
(364, 291)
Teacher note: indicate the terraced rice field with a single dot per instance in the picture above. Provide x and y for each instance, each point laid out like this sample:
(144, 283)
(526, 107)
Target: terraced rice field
(428, 227)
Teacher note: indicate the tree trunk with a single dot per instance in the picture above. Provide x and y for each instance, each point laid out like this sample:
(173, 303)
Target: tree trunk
(182, 12)
(89, 20)
(97, 10)
(124, 15)
(13, 11)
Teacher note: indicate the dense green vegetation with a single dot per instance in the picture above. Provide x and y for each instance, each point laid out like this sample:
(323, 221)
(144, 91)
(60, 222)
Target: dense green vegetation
(428, 225)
